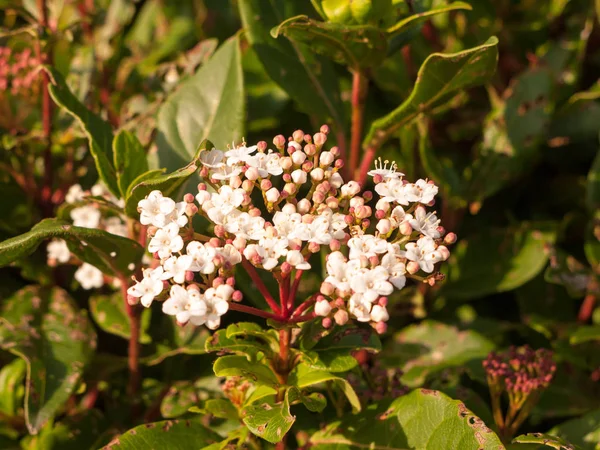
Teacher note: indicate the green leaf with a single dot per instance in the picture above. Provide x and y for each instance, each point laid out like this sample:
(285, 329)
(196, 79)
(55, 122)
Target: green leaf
(235, 339)
(183, 395)
(544, 439)
(314, 402)
(591, 245)
(99, 132)
(410, 22)
(309, 80)
(168, 434)
(11, 381)
(270, 420)
(331, 360)
(109, 312)
(498, 260)
(593, 185)
(218, 407)
(585, 333)
(430, 347)
(208, 105)
(167, 184)
(423, 419)
(581, 431)
(357, 46)
(440, 76)
(130, 160)
(235, 365)
(56, 340)
(304, 376)
(110, 253)
(566, 271)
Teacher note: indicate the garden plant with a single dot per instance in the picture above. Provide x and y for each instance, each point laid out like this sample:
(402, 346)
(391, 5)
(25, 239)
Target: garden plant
(335, 224)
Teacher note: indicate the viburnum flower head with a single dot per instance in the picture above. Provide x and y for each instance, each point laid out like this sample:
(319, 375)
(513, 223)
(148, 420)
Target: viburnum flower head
(275, 210)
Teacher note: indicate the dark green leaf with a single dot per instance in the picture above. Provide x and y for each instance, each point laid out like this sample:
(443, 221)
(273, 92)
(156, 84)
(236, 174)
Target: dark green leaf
(430, 346)
(11, 386)
(98, 131)
(109, 312)
(168, 434)
(56, 340)
(423, 419)
(256, 372)
(315, 401)
(440, 76)
(544, 439)
(167, 184)
(241, 342)
(357, 46)
(309, 80)
(582, 431)
(110, 253)
(130, 160)
(497, 260)
(270, 420)
(585, 333)
(415, 20)
(208, 105)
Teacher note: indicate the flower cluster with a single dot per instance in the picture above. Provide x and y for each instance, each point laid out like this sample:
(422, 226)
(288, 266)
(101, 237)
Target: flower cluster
(17, 70)
(273, 209)
(87, 216)
(520, 371)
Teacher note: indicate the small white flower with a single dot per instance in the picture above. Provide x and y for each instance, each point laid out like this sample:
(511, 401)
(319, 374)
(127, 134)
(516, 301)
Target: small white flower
(396, 270)
(212, 158)
(58, 251)
(245, 226)
(381, 168)
(322, 308)
(89, 277)
(230, 254)
(178, 304)
(227, 199)
(392, 190)
(360, 308)
(166, 241)
(196, 307)
(201, 257)
(296, 259)
(75, 194)
(217, 303)
(150, 286)
(226, 172)
(175, 267)
(426, 223)
(421, 191)
(115, 225)
(424, 252)
(366, 245)
(239, 154)
(372, 284)
(299, 176)
(86, 216)
(99, 190)
(155, 208)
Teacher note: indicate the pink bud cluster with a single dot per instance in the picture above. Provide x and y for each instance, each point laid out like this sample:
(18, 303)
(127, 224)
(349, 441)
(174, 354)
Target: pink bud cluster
(521, 371)
(18, 70)
(273, 209)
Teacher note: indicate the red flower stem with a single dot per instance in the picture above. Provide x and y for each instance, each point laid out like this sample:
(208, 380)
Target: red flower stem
(294, 289)
(305, 305)
(303, 318)
(367, 161)
(254, 311)
(359, 95)
(284, 287)
(261, 286)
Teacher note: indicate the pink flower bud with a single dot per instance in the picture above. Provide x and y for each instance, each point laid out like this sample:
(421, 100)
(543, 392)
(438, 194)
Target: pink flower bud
(251, 173)
(374, 260)
(307, 166)
(203, 172)
(289, 189)
(350, 189)
(235, 182)
(383, 301)
(219, 231)
(295, 244)
(272, 195)
(237, 296)
(349, 219)
(377, 179)
(214, 242)
(189, 276)
(218, 281)
(188, 198)
(381, 327)
(318, 197)
(298, 157)
(191, 209)
(286, 177)
(286, 163)
(298, 136)
(308, 138)
(293, 146)
(440, 229)
(254, 212)
(327, 288)
(332, 203)
(310, 149)
(299, 176)
(450, 238)
(322, 308)
(338, 164)
(265, 185)
(405, 228)
(239, 243)
(324, 129)
(335, 245)
(319, 139)
(368, 196)
(356, 201)
(261, 146)
(286, 268)
(279, 141)
(382, 205)
(248, 186)
(327, 323)
(313, 247)
(132, 300)
(412, 267)
(155, 255)
(341, 317)
(379, 214)
(339, 303)
(362, 212)
(443, 250)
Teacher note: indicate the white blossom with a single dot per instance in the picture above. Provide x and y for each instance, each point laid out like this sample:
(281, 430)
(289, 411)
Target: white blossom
(155, 208)
(58, 251)
(150, 286)
(166, 241)
(322, 308)
(86, 216)
(424, 252)
(426, 223)
(239, 154)
(175, 268)
(212, 158)
(296, 259)
(178, 304)
(74, 194)
(201, 257)
(382, 169)
(217, 303)
(89, 277)
(114, 225)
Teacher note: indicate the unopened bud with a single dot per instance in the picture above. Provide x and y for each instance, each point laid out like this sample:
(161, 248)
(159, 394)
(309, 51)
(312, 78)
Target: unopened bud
(132, 300)
(350, 189)
(339, 302)
(235, 182)
(324, 129)
(237, 296)
(327, 288)
(379, 214)
(289, 208)
(374, 260)
(327, 323)
(362, 212)
(191, 209)
(202, 196)
(252, 173)
(338, 164)
(356, 201)
(299, 176)
(377, 179)
(335, 245)
(261, 146)
(239, 243)
(412, 267)
(304, 206)
(318, 197)
(326, 159)
(450, 238)
(317, 174)
(272, 195)
(265, 185)
(341, 317)
(248, 186)
(254, 212)
(289, 189)
(286, 177)
(322, 308)
(319, 139)
(298, 136)
(332, 202)
(310, 149)
(405, 228)
(189, 276)
(203, 172)
(384, 226)
(381, 327)
(279, 141)
(313, 247)
(286, 163)
(383, 301)
(286, 268)
(219, 231)
(367, 195)
(443, 250)
(188, 198)
(298, 157)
